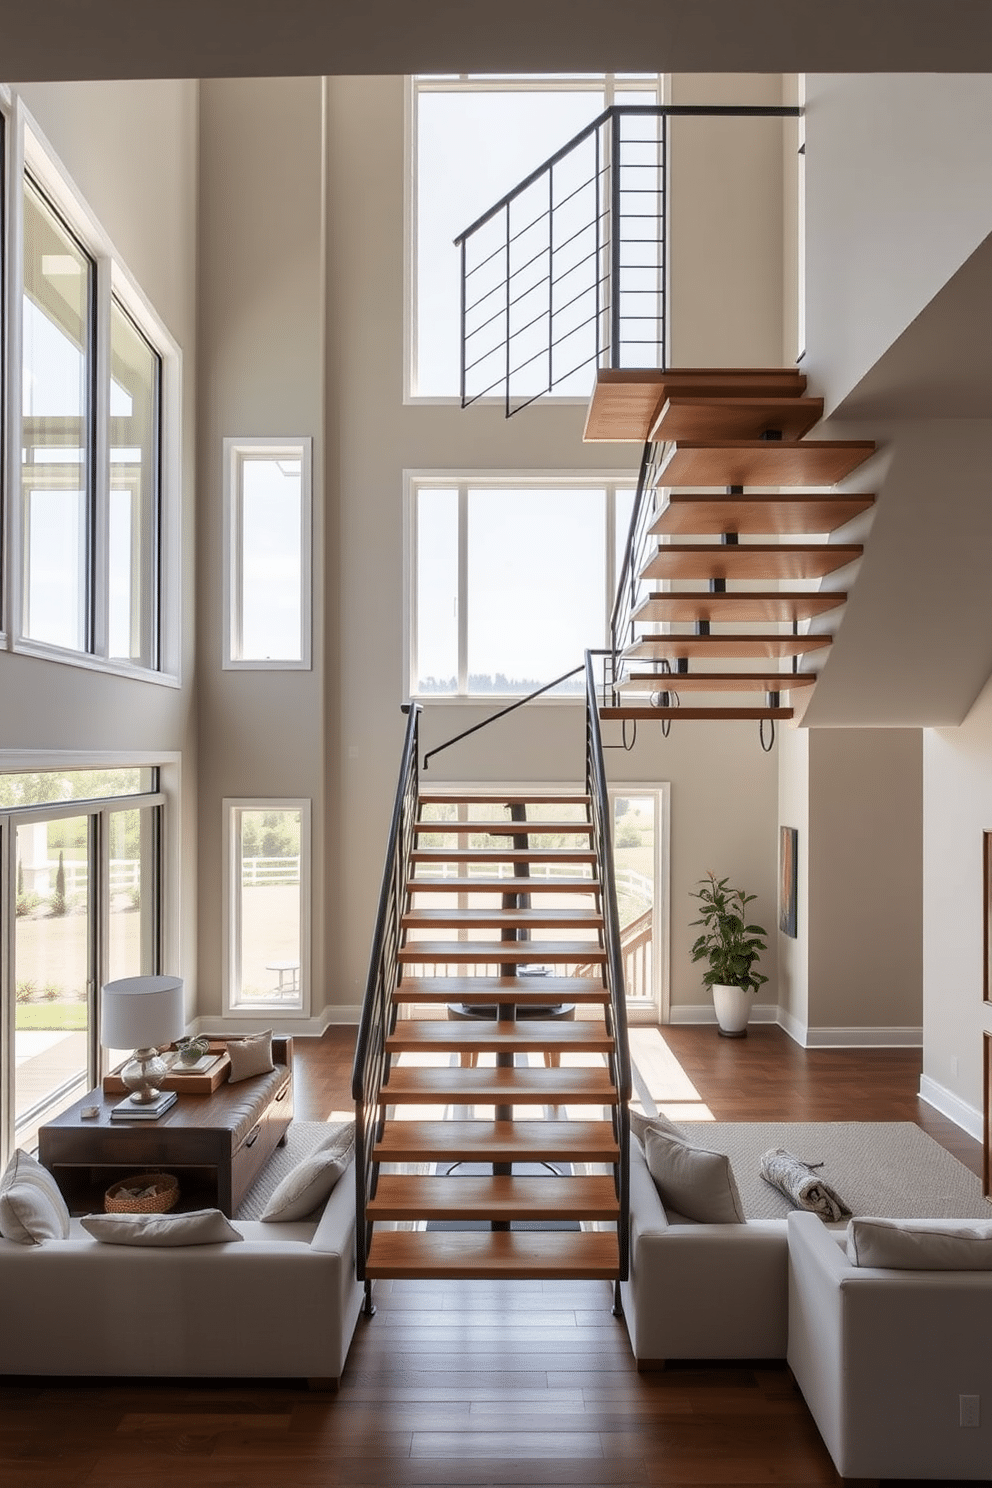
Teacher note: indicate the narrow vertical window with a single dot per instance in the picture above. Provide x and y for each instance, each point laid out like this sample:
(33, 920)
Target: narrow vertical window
(135, 383)
(268, 541)
(268, 938)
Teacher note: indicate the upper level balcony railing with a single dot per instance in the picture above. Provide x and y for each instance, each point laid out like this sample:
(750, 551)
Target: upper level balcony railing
(570, 270)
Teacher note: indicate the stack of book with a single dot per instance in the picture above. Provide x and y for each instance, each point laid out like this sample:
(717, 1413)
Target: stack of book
(129, 1110)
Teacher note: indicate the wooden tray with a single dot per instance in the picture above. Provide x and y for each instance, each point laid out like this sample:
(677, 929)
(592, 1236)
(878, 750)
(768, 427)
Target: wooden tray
(204, 1083)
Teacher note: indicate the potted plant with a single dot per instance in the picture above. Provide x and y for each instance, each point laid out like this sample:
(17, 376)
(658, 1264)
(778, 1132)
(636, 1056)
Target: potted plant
(731, 946)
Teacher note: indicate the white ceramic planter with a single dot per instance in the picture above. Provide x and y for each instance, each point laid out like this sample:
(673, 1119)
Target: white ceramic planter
(733, 1008)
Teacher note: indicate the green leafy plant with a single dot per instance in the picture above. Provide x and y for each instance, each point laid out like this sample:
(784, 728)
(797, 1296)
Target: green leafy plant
(728, 942)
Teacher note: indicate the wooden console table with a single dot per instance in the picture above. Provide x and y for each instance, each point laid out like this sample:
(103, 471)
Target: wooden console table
(197, 1139)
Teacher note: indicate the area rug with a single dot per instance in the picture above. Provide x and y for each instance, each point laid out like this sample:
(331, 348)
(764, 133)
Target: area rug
(302, 1139)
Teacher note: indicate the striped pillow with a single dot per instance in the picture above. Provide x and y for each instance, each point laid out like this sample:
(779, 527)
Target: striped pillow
(31, 1207)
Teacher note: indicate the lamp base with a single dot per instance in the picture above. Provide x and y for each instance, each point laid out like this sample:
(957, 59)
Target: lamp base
(143, 1076)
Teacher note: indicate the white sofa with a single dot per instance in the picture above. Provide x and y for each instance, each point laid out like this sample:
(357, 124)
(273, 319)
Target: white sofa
(284, 1302)
(883, 1357)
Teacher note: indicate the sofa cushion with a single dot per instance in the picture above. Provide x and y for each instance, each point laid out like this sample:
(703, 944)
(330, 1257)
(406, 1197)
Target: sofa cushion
(697, 1183)
(920, 1244)
(250, 1056)
(199, 1227)
(313, 1180)
(31, 1207)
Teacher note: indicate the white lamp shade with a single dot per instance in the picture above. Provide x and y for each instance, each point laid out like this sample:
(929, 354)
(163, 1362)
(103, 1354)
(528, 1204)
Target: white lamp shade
(142, 1012)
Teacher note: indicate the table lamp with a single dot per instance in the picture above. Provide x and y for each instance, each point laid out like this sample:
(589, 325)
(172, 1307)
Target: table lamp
(140, 1013)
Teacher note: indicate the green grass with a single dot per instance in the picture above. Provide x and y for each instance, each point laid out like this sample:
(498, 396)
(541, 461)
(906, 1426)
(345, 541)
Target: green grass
(60, 1016)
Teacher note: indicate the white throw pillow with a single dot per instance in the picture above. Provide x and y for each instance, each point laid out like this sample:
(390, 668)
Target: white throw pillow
(250, 1056)
(693, 1181)
(312, 1181)
(31, 1207)
(199, 1227)
(920, 1244)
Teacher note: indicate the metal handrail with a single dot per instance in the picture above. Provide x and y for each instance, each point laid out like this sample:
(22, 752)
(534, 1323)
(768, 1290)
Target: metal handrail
(600, 811)
(493, 717)
(621, 618)
(378, 1011)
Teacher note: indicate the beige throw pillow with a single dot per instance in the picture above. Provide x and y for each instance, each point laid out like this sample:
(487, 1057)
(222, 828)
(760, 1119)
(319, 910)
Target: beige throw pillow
(920, 1244)
(312, 1181)
(250, 1056)
(693, 1181)
(31, 1207)
(641, 1124)
(199, 1227)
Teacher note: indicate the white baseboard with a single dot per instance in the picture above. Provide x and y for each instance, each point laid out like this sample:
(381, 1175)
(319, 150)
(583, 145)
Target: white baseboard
(967, 1117)
(282, 1023)
(864, 1038)
(701, 1012)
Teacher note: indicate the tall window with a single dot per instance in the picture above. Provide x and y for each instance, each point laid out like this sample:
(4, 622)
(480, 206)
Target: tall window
(267, 515)
(510, 582)
(268, 926)
(81, 904)
(474, 139)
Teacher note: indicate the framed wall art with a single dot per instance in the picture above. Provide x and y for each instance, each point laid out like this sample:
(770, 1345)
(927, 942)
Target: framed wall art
(788, 844)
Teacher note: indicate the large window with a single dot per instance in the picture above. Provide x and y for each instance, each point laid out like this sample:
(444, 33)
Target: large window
(510, 581)
(474, 139)
(267, 927)
(81, 904)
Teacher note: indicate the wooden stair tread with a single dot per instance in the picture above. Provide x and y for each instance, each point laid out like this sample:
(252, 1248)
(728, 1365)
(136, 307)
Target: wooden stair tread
(489, 1036)
(626, 401)
(501, 950)
(405, 1197)
(497, 1141)
(522, 884)
(499, 798)
(489, 1086)
(497, 919)
(739, 607)
(544, 991)
(717, 681)
(504, 828)
(692, 715)
(688, 513)
(684, 417)
(750, 561)
(495, 854)
(761, 462)
(486, 1256)
(670, 647)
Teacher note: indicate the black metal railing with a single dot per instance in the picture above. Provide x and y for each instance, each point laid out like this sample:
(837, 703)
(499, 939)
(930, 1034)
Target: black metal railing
(502, 713)
(630, 586)
(602, 821)
(568, 271)
(378, 1011)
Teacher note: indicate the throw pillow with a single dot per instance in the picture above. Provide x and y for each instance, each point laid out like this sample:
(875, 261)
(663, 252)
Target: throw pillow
(250, 1056)
(31, 1207)
(640, 1124)
(920, 1244)
(313, 1180)
(199, 1227)
(693, 1181)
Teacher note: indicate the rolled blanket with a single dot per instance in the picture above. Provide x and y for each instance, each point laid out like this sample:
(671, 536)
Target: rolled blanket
(800, 1182)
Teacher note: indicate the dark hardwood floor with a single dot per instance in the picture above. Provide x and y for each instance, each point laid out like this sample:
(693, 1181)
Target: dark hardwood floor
(480, 1383)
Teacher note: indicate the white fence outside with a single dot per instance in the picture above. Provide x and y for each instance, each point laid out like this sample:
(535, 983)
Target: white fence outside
(256, 872)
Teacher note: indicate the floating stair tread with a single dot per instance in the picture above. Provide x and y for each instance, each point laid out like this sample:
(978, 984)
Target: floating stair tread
(499, 798)
(695, 514)
(690, 715)
(488, 1087)
(750, 561)
(520, 884)
(763, 462)
(684, 417)
(550, 1256)
(501, 950)
(500, 919)
(543, 991)
(739, 608)
(405, 1197)
(717, 681)
(626, 401)
(496, 854)
(504, 828)
(659, 648)
(489, 1036)
(497, 1141)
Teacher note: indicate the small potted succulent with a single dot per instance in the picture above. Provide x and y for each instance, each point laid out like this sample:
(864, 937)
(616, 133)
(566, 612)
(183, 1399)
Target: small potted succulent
(731, 946)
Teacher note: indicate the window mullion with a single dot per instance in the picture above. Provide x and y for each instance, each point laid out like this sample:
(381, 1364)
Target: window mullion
(464, 598)
(98, 854)
(8, 1000)
(98, 440)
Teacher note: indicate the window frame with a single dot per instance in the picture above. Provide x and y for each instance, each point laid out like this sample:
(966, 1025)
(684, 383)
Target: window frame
(235, 449)
(610, 481)
(30, 157)
(233, 807)
(418, 83)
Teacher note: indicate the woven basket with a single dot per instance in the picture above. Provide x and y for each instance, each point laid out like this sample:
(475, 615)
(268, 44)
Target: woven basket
(164, 1195)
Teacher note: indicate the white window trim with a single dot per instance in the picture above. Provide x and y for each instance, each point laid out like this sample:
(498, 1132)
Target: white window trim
(661, 926)
(459, 481)
(230, 952)
(291, 447)
(29, 150)
(466, 83)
